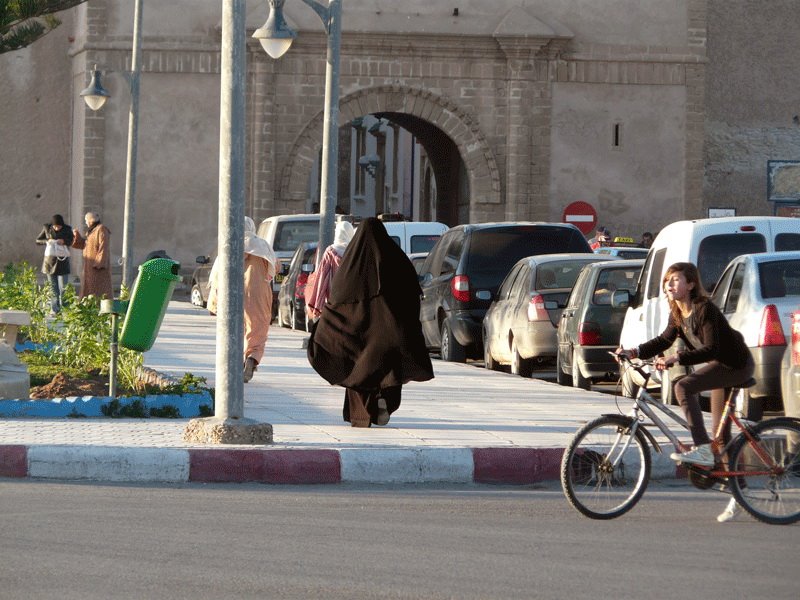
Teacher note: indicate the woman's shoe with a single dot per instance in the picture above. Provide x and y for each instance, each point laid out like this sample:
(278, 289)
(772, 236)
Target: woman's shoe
(730, 512)
(249, 368)
(383, 413)
(699, 455)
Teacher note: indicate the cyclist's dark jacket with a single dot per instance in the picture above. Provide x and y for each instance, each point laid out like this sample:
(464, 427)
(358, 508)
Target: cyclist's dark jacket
(721, 342)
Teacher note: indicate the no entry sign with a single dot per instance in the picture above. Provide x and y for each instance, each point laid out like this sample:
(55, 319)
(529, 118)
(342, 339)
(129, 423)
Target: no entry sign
(582, 215)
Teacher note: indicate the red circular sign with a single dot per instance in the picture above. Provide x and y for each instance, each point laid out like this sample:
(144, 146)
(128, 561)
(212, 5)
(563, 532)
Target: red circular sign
(582, 215)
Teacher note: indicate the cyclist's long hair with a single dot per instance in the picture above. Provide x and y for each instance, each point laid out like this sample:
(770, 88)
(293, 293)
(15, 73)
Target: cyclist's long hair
(697, 295)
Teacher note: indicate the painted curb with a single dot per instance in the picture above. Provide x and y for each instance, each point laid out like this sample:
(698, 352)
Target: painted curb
(505, 466)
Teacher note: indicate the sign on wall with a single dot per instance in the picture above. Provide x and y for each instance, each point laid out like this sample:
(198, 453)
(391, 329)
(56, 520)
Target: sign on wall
(783, 180)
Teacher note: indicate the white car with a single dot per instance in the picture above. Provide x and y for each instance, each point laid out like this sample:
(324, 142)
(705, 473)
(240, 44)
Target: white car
(758, 294)
(710, 244)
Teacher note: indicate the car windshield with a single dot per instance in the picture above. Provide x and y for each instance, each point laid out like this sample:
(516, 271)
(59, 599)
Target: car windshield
(562, 274)
(494, 251)
(613, 279)
(423, 243)
(716, 251)
(290, 234)
(779, 278)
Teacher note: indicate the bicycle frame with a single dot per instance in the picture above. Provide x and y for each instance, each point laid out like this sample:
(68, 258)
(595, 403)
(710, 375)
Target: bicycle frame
(645, 403)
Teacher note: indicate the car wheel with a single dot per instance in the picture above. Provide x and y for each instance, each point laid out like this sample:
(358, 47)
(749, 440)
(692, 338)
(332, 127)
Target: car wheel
(520, 366)
(561, 376)
(196, 296)
(578, 380)
(751, 408)
(450, 349)
(488, 360)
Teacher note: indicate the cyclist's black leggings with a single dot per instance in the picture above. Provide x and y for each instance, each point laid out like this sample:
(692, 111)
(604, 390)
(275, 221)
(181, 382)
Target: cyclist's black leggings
(712, 376)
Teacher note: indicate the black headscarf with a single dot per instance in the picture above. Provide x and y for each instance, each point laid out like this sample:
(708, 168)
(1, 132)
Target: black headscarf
(369, 335)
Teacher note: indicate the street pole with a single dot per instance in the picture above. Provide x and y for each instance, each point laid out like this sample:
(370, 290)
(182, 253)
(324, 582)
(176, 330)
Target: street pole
(229, 400)
(332, 19)
(133, 143)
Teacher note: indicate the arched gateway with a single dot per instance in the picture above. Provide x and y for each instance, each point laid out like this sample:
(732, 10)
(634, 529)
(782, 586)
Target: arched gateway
(429, 117)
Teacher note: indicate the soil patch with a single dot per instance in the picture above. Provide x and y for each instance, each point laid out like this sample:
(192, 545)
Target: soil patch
(63, 386)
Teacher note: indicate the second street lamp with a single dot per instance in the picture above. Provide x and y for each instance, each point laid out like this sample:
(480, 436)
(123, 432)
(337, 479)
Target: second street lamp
(276, 37)
(95, 96)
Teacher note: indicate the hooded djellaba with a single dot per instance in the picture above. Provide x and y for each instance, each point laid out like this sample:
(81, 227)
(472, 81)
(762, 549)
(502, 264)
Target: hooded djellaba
(260, 266)
(369, 338)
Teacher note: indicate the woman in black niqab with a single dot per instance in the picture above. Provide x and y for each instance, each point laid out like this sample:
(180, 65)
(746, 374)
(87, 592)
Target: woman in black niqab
(368, 338)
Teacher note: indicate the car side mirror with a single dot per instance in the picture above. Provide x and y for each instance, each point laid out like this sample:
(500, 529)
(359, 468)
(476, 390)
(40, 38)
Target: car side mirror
(307, 268)
(426, 278)
(621, 299)
(202, 260)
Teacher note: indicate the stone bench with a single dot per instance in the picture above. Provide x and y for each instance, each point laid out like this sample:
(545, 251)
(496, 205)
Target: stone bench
(15, 381)
(10, 322)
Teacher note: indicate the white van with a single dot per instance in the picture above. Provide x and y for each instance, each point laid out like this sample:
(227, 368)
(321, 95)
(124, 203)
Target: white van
(415, 236)
(710, 244)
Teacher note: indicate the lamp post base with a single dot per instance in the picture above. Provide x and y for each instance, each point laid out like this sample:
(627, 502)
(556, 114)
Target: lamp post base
(216, 430)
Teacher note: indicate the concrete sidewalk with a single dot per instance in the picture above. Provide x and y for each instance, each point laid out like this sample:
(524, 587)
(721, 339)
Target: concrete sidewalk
(466, 425)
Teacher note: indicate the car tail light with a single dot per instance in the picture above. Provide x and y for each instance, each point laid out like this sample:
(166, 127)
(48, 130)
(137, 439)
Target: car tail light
(589, 334)
(796, 338)
(460, 288)
(536, 309)
(300, 287)
(771, 333)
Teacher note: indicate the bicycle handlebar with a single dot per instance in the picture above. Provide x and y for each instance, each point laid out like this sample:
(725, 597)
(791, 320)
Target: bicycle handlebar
(624, 357)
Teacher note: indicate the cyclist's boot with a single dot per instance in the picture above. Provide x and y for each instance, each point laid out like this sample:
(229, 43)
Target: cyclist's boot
(730, 512)
(699, 455)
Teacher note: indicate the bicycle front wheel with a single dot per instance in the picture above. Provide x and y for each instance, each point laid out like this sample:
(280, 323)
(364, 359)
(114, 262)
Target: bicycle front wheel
(605, 470)
(772, 492)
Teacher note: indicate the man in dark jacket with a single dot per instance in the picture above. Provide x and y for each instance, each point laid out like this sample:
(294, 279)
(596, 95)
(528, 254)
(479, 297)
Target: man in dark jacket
(56, 237)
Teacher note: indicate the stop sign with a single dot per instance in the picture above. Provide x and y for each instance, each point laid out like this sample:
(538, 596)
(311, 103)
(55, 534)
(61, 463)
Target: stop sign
(582, 215)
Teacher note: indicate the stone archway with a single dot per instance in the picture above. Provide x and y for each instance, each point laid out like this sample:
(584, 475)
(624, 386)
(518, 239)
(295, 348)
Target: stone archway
(397, 102)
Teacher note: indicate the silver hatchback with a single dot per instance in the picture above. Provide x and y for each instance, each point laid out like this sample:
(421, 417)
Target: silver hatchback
(519, 328)
(758, 294)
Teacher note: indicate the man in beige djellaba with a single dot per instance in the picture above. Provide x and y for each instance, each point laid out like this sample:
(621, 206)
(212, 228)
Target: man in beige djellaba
(96, 246)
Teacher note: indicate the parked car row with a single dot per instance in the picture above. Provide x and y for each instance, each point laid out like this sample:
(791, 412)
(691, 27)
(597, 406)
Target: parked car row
(518, 294)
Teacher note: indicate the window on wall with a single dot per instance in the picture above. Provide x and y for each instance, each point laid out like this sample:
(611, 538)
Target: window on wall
(616, 136)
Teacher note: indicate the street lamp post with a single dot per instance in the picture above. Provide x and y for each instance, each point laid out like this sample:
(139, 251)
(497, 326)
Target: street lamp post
(95, 97)
(276, 37)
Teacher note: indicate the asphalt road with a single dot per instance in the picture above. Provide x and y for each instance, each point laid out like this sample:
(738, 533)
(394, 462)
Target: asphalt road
(337, 542)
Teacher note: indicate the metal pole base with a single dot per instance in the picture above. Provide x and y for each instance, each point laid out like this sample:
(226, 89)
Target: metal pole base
(216, 430)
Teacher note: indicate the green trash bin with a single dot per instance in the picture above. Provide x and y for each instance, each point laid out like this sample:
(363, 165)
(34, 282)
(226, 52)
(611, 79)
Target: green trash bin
(151, 294)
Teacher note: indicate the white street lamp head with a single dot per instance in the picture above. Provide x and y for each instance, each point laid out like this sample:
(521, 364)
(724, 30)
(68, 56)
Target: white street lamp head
(95, 95)
(275, 35)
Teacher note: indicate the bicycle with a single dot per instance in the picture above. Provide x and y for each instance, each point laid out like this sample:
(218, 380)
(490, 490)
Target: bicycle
(606, 467)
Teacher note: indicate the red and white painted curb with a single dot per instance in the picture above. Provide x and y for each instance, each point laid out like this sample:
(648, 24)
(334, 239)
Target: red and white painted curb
(292, 466)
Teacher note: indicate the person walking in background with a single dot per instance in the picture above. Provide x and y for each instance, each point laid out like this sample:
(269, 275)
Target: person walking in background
(260, 266)
(57, 237)
(368, 338)
(602, 237)
(96, 246)
(319, 282)
(647, 240)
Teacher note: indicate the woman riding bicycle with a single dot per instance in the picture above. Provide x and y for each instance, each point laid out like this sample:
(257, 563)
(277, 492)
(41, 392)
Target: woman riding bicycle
(709, 339)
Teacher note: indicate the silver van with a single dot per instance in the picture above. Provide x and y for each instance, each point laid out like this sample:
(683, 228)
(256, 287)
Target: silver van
(710, 244)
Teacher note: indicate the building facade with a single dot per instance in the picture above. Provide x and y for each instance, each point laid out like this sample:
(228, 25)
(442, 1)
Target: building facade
(503, 110)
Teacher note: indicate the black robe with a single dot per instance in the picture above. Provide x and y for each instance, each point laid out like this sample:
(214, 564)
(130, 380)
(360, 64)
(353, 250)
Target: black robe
(369, 337)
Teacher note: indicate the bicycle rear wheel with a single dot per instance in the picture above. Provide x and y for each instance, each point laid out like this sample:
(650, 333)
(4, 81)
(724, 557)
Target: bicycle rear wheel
(605, 470)
(770, 497)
